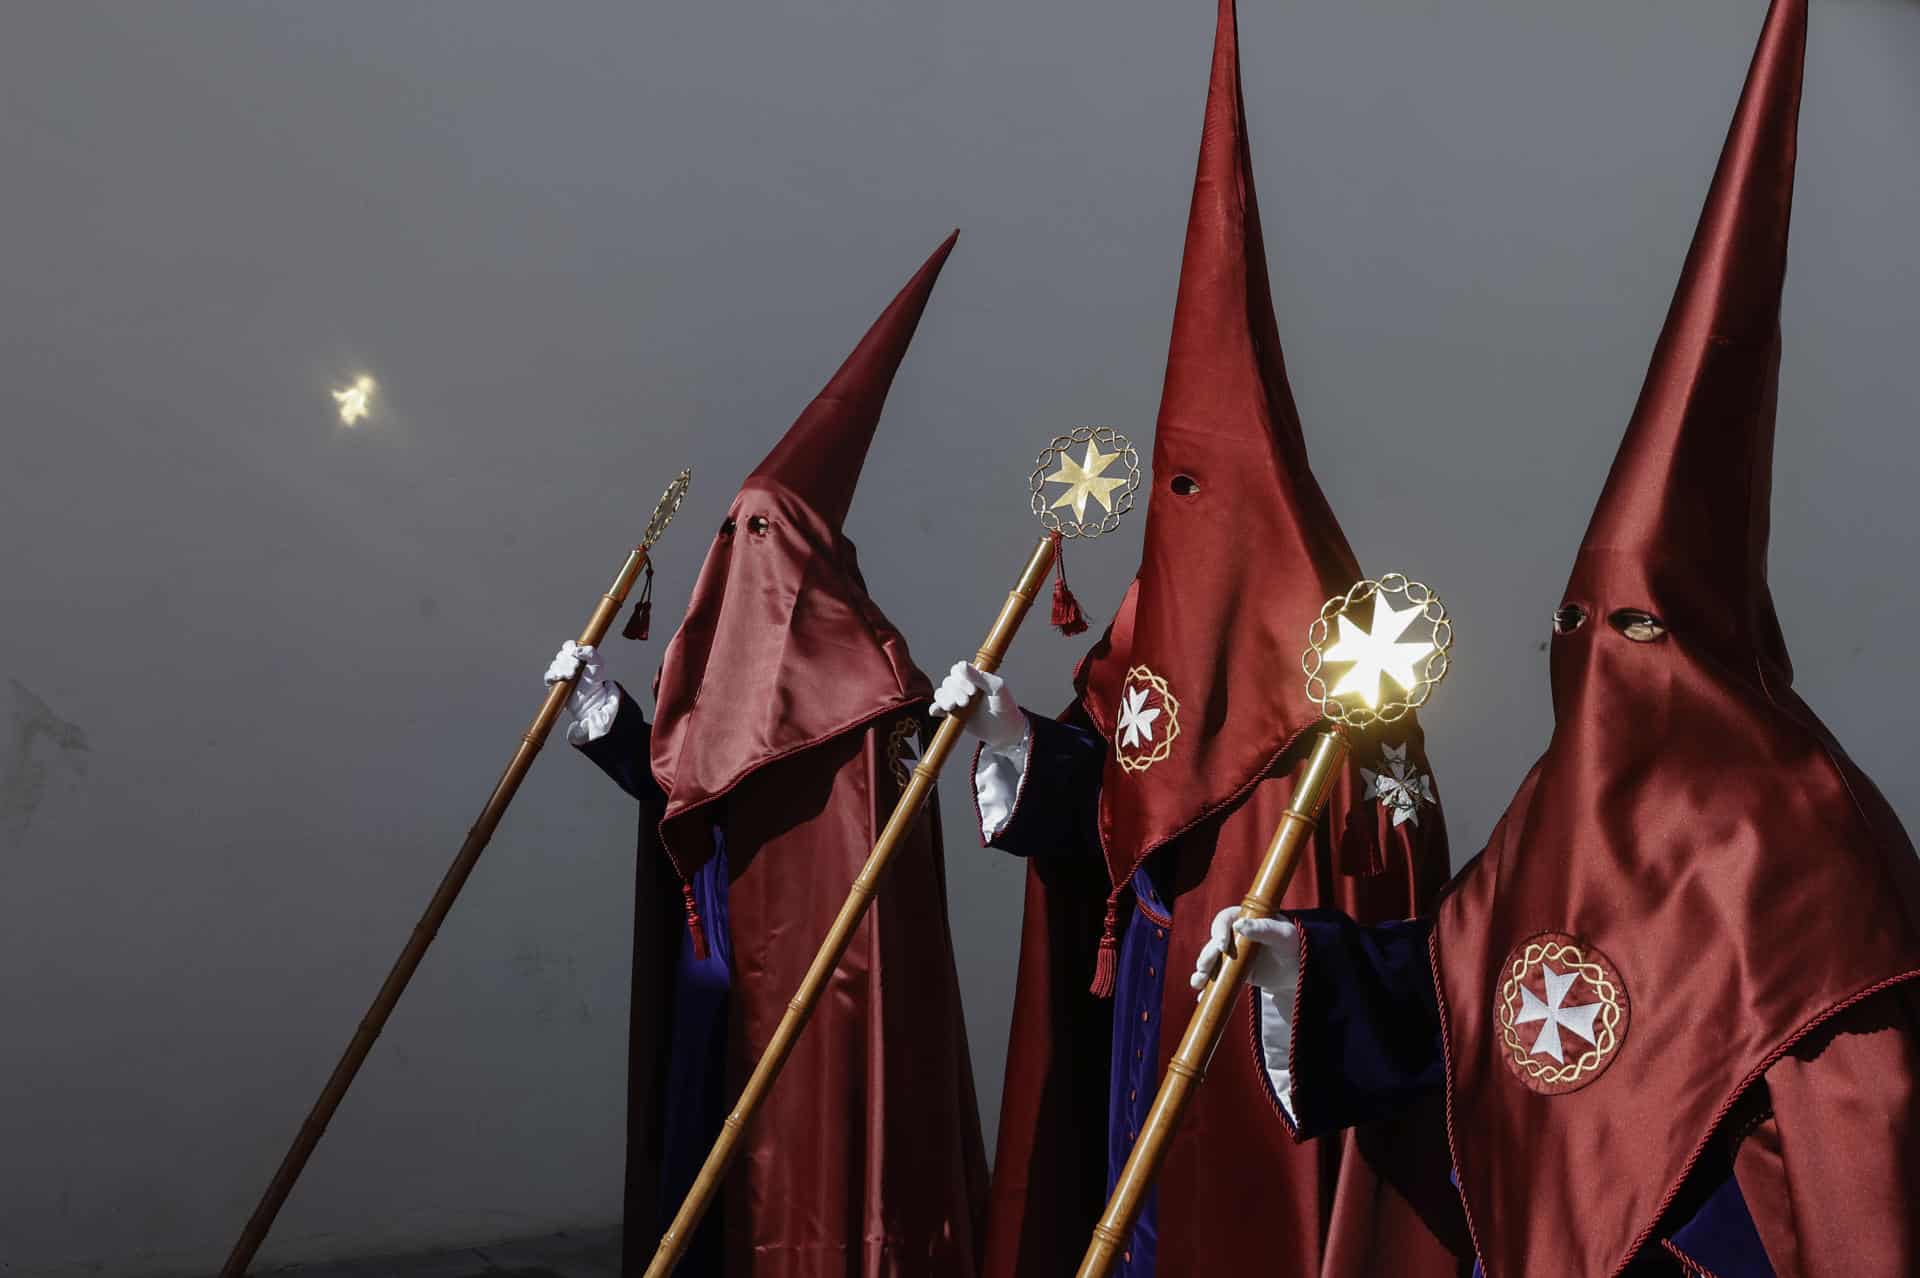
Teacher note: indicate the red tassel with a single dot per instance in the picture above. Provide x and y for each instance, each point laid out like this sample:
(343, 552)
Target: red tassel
(640, 624)
(1067, 617)
(695, 928)
(1105, 967)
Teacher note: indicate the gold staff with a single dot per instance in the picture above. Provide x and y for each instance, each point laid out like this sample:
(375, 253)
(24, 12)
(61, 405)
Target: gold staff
(1352, 703)
(1085, 479)
(456, 877)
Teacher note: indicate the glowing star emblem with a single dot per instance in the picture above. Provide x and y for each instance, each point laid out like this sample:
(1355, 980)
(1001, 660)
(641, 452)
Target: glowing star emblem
(1378, 653)
(1086, 478)
(1399, 786)
(1147, 722)
(356, 400)
(1575, 996)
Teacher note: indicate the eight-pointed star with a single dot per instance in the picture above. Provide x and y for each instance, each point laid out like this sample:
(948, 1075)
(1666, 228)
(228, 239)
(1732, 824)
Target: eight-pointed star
(1085, 478)
(1377, 653)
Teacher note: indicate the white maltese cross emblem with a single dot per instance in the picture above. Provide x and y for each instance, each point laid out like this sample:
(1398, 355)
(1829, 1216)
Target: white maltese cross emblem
(1561, 1013)
(1554, 1014)
(1146, 722)
(1136, 718)
(1399, 786)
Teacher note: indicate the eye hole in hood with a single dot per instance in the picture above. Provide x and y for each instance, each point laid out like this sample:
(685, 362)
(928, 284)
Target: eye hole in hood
(1568, 618)
(1641, 627)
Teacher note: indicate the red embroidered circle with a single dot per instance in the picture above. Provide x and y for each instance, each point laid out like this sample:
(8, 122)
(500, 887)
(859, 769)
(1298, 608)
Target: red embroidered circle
(1561, 1013)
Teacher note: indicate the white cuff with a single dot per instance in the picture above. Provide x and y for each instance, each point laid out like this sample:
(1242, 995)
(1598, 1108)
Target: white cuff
(996, 785)
(594, 712)
(1276, 1044)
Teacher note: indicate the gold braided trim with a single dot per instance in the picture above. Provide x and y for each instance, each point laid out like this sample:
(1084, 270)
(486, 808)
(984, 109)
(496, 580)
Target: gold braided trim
(906, 732)
(1170, 707)
(1612, 1012)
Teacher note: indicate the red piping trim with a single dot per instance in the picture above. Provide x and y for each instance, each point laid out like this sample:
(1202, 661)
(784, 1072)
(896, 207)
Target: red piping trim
(979, 819)
(1140, 903)
(1259, 1048)
(1258, 1043)
(1019, 791)
(1693, 1267)
(1293, 1025)
(696, 931)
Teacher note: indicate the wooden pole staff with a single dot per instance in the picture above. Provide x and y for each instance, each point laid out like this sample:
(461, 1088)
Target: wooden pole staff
(443, 898)
(1189, 1064)
(679, 1235)
(1376, 658)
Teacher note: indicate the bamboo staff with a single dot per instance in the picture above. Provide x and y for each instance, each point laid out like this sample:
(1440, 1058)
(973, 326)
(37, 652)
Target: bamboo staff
(1188, 1067)
(437, 909)
(679, 1235)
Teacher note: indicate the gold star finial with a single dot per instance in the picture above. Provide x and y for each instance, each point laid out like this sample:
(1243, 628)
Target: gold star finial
(1377, 653)
(1086, 478)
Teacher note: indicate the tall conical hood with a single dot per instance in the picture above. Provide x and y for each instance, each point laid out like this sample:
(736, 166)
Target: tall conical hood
(1191, 681)
(1631, 950)
(782, 649)
(820, 457)
(1683, 518)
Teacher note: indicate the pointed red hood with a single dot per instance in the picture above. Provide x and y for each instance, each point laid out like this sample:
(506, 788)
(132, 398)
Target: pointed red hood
(781, 648)
(1665, 869)
(1241, 546)
(1682, 522)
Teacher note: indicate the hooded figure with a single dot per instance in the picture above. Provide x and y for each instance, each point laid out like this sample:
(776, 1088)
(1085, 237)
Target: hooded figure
(1147, 807)
(1673, 995)
(789, 717)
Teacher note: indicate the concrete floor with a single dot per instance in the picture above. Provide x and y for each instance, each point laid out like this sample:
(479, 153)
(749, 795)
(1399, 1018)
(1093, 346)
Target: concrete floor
(594, 1254)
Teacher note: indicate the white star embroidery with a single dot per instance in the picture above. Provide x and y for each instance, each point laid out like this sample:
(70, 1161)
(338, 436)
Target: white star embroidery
(1136, 720)
(1399, 788)
(1578, 1019)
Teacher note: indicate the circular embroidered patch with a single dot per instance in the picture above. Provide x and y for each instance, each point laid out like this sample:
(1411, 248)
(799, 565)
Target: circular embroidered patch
(1561, 1012)
(1149, 721)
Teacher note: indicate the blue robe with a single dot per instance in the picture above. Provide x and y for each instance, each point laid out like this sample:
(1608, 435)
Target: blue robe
(690, 1106)
(1065, 762)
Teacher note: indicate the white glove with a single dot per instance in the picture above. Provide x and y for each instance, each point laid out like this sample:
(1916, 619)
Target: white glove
(594, 701)
(1275, 972)
(1275, 966)
(998, 720)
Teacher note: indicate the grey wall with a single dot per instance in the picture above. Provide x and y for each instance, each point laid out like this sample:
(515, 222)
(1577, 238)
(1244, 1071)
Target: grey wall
(261, 669)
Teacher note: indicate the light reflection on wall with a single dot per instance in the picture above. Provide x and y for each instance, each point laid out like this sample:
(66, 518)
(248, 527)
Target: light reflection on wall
(356, 399)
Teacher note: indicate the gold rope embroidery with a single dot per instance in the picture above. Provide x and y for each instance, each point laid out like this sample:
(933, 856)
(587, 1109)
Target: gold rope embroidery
(1170, 707)
(905, 736)
(1572, 958)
